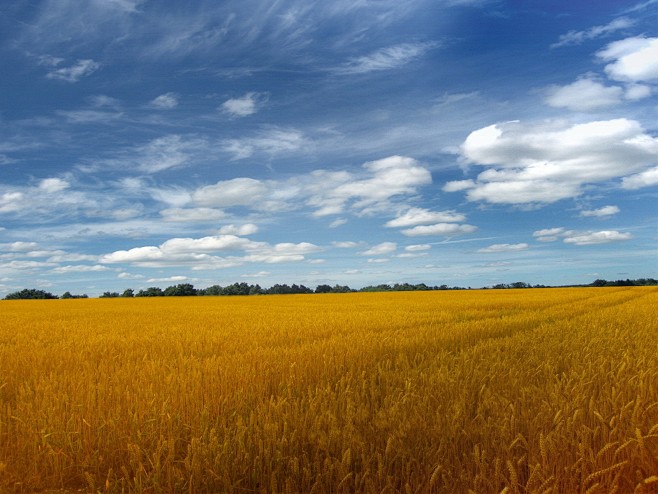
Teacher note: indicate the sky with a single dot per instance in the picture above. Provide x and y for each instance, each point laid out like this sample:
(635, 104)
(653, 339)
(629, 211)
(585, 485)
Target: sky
(354, 142)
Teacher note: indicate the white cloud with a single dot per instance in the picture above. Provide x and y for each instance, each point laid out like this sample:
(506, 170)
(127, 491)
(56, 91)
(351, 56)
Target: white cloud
(345, 244)
(602, 237)
(79, 268)
(578, 37)
(636, 92)
(549, 234)
(129, 276)
(259, 274)
(207, 244)
(583, 95)
(167, 152)
(391, 57)
(172, 196)
(53, 185)
(380, 249)
(496, 248)
(632, 59)
(646, 178)
(326, 192)
(52, 199)
(445, 229)
(600, 212)
(458, 185)
(199, 253)
(389, 177)
(75, 72)
(581, 238)
(272, 140)
(549, 162)
(21, 246)
(168, 279)
(244, 106)
(419, 216)
(11, 201)
(165, 101)
(337, 222)
(242, 230)
(191, 215)
(282, 252)
(418, 247)
(235, 192)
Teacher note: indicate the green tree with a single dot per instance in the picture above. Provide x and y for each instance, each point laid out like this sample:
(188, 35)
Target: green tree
(30, 294)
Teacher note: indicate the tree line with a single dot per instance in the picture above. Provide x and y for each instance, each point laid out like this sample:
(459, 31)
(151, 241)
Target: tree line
(188, 290)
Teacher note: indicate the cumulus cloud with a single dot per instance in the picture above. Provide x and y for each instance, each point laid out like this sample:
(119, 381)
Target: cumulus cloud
(191, 215)
(444, 229)
(583, 95)
(52, 185)
(646, 178)
(549, 162)
(581, 238)
(420, 216)
(20, 246)
(497, 248)
(79, 268)
(234, 192)
(636, 92)
(549, 234)
(326, 192)
(418, 247)
(259, 274)
(74, 73)
(602, 237)
(391, 57)
(243, 106)
(578, 37)
(242, 230)
(380, 249)
(632, 59)
(600, 212)
(331, 192)
(165, 101)
(345, 244)
(201, 253)
(168, 279)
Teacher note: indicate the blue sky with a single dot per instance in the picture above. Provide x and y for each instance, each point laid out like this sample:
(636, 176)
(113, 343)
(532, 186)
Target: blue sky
(460, 142)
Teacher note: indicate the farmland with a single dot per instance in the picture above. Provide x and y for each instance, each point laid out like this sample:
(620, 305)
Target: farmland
(544, 390)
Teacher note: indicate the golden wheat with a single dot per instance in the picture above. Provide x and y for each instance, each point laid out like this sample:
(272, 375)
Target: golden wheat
(551, 390)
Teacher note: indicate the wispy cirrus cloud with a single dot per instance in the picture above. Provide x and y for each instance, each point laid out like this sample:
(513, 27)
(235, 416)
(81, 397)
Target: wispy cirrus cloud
(73, 73)
(270, 140)
(579, 37)
(391, 57)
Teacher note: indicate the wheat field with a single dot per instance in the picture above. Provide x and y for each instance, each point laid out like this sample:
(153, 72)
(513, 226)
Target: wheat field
(498, 391)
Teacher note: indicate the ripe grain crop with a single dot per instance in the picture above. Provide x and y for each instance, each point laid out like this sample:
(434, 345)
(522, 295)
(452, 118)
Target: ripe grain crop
(515, 391)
